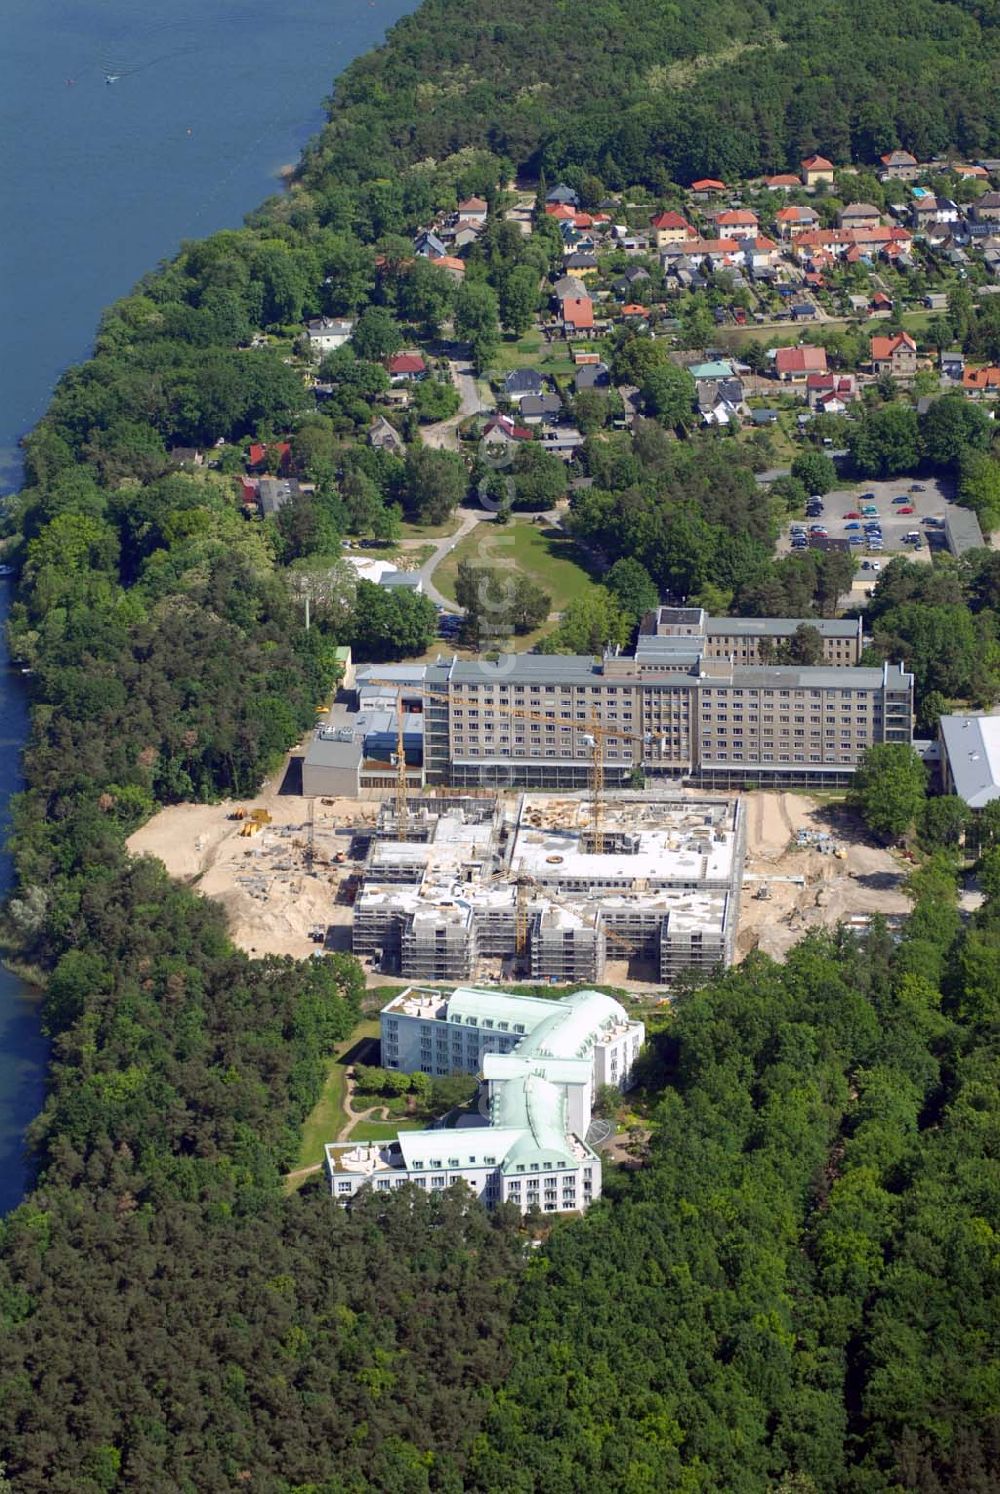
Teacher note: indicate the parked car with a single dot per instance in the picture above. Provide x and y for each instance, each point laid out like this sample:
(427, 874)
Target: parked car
(901, 498)
(797, 529)
(855, 539)
(817, 529)
(907, 508)
(854, 524)
(869, 510)
(852, 513)
(917, 487)
(867, 497)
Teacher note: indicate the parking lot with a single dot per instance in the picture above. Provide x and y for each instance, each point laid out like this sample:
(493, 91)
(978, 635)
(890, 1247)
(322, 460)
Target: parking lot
(901, 507)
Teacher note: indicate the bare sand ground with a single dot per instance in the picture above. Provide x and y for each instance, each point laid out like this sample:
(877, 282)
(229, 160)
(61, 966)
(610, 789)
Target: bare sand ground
(868, 880)
(273, 887)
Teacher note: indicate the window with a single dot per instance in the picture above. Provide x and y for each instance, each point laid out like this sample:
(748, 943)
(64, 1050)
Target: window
(344, 1187)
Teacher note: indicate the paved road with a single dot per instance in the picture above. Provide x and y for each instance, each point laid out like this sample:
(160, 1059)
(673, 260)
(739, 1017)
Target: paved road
(444, 434)
(469, 518)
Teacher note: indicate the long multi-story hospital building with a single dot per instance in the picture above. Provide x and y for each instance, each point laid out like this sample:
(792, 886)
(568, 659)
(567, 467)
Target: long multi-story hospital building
(541, 1063)
(698, 700)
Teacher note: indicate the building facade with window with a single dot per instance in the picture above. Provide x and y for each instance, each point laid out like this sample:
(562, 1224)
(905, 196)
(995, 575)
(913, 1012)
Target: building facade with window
(541, 1063)
(670, 710)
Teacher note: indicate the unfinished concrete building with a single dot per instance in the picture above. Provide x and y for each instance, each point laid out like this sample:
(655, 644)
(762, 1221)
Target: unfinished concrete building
(538, 888)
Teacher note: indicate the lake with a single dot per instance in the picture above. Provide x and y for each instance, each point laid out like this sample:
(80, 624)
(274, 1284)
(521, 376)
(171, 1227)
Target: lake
(103, 180)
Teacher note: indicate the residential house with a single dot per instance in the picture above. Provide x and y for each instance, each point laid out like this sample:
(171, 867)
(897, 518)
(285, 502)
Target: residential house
(671, 228)
(793, 220)
(760, 253)
(562, 440)
(541, 409)
(473, 210)
(451, 266)
(466, 234)
(981, 383)
(953, 365)
(824, 389)
(970, 173)
(276, 455)
(568, 285)
(899, 166)
(714, 407)
(859, 215)
(428, 246)
(803, 311)
(385, 437)
(927, 211)
(816, 169)
(896, 355)
(274, 492)
(501, 432)
(712, 372)
(736, 223)
(632, 311)
(406, 368)
(577, 314)
(986, 209)
(707, 186)
(403, 581)
(881, 304)
(561, 211)
(521, 382)
(185, 456)
(783, 182)
(581, 263)
(717, 252)
(592, 376)
(564, 195)
(327, 333)
(625, 284)
(936, 301)
(794, 365)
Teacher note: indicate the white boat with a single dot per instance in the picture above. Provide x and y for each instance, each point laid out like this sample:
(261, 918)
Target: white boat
(6, 570)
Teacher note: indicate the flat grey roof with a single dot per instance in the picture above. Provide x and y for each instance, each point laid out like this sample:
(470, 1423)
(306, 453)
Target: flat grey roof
(962, 530)
(827, 627)
(326, 753)
(973, 747)
(553, 669)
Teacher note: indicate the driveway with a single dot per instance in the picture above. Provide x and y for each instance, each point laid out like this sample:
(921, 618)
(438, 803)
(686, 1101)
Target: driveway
(444, 434)
(469, 518)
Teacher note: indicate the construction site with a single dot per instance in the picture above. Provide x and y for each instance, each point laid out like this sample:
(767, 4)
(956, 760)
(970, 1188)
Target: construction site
(552, 888)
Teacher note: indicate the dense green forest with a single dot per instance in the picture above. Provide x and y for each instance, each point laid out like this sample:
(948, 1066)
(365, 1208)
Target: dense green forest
(637, 91)
(798, 1288)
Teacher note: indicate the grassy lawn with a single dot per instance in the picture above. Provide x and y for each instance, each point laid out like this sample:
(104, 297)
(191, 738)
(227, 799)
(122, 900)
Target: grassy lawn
(532, 351)
(327, 1115)
(385, 1130)
(548, 559)
(427, 531)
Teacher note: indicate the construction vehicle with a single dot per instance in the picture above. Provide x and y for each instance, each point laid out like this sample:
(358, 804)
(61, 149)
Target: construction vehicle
(763, 893)
(253, 821)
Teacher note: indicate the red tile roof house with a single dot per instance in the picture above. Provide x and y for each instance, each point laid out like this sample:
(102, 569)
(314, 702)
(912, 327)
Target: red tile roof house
(896, 355)
(737, 223)
(816, 169)
(406, 366)
(977, 381)
(474, 209)
(277, 455)
(794, 365)
(794, 220)
(578, 314)
(899, 165)
(671, 228)
(707, 185)
(784, 182)
(820, 386)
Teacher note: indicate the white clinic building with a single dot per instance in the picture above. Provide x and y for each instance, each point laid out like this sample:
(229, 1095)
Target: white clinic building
(541, 1062)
